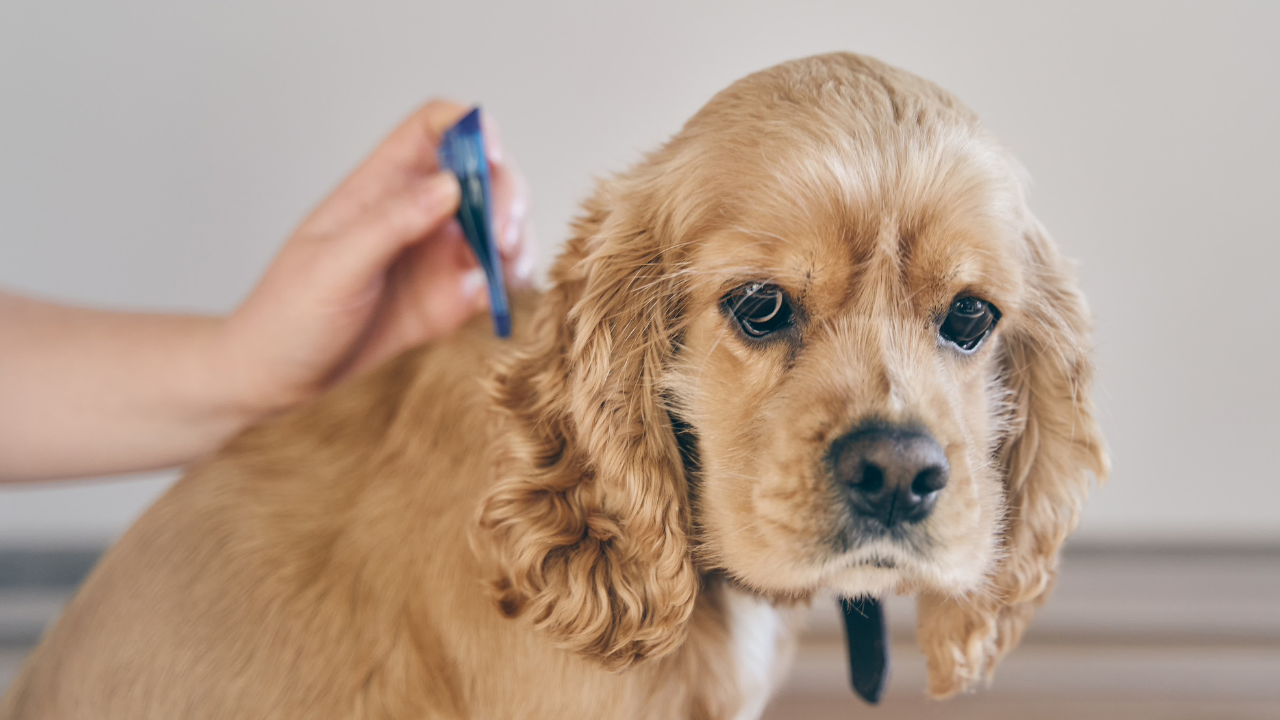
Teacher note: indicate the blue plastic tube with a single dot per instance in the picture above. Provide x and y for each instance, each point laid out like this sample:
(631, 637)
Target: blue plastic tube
(462, 153)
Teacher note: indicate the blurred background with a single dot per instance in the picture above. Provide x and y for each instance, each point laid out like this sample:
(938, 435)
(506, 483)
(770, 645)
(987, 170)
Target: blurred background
(154, 155)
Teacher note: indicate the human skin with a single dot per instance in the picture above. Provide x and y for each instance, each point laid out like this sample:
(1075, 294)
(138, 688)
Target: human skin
(377, 267)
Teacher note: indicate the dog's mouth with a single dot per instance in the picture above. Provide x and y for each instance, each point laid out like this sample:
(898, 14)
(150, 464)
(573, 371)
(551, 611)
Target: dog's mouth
(872, 547)
(876, 561)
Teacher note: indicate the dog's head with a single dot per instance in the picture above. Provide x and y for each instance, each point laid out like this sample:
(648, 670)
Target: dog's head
(817, 341)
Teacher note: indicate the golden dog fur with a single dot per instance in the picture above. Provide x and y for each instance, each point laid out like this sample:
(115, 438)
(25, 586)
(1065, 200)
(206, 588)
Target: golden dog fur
(489, 529)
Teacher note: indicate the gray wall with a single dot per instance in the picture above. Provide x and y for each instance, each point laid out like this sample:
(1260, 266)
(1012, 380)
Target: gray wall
(155, 154)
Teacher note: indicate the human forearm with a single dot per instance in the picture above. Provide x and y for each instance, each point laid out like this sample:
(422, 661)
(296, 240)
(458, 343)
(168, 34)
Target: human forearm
(86, 392)
(376, 268)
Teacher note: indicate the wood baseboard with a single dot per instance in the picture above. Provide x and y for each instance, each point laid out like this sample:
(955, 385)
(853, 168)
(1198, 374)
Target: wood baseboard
(1131, 632)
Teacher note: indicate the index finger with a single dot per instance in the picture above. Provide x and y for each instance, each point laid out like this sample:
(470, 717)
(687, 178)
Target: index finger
(408, 152)
(412, 146)
(406, 155)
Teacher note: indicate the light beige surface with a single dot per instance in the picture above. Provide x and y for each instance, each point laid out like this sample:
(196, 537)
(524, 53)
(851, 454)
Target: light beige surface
(155, 154)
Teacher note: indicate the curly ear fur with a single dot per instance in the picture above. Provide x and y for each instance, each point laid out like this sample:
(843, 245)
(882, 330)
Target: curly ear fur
(588, 518)
(1052, 446)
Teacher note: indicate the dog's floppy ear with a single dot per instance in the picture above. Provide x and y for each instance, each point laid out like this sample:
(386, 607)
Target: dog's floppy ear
(1052, 446)
(587, 520)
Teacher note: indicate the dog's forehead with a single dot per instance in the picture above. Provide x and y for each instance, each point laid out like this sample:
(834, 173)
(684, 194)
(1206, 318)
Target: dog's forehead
(824, 173)
(834, 222)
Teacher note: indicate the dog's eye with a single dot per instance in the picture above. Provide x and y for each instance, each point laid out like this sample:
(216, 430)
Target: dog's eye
(968, 321)
(760, 309)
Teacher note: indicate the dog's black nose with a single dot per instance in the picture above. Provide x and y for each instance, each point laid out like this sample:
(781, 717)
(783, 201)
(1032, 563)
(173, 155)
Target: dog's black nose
(891, 474)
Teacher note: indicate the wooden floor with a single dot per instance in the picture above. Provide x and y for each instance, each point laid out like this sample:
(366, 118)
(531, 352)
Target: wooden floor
(1133, 633)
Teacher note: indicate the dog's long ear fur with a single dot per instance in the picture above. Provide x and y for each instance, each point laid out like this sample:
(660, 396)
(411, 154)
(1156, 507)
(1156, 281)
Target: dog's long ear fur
(587, 521)
(1052, 447)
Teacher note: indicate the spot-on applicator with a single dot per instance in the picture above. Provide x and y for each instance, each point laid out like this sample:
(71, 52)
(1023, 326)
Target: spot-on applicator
(462, 153)
(867, 636)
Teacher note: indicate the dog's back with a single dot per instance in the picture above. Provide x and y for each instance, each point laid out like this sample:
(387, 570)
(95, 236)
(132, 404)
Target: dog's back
(320, 566)
(293, 573)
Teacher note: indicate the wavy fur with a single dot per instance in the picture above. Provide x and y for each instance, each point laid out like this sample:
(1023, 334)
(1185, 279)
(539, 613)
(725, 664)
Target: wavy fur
(590, 520)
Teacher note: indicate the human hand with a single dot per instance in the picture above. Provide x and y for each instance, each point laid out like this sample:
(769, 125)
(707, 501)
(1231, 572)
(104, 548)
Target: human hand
(378, 267)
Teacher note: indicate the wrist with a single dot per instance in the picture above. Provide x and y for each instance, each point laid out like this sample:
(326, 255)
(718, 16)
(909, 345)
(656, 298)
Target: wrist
(253, 378)
(228, 391)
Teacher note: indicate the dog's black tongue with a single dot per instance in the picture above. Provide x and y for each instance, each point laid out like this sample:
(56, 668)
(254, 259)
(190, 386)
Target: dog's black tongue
(868, 639)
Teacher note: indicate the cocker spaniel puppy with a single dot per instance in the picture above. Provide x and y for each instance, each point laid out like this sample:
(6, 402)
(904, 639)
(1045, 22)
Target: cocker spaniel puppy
(815, 342)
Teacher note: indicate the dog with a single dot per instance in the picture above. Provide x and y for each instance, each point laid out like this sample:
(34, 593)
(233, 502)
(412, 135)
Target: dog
(817, 342)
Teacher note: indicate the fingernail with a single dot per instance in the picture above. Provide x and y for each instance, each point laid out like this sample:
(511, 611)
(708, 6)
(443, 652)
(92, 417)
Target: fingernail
(524, 265)
(514, 223)
(511, 233)
(492, 142)
(472, 283)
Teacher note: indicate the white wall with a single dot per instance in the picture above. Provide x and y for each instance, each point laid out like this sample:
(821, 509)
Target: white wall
(154, 154)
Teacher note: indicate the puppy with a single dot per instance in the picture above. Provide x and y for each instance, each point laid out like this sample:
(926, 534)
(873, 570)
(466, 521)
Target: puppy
(816, 342)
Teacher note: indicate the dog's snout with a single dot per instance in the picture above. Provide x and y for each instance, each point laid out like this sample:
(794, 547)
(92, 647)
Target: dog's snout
(891, 474)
